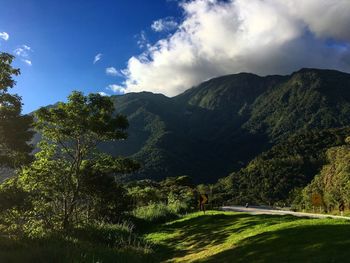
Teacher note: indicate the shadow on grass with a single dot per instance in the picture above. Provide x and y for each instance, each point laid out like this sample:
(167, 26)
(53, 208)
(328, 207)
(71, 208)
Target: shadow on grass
(198, 233)
(312, 243)
(58, 249)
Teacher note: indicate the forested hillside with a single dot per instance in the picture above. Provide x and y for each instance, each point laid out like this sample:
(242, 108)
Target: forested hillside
(220, 125)
(275, 175)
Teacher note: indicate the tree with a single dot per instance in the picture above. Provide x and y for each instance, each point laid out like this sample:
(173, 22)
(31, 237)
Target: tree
(333, 181)
(15, 128)
(69, 176)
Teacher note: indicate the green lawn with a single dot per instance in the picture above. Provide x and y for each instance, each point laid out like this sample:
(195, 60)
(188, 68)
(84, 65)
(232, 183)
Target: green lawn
(213, 237)
(240, 237)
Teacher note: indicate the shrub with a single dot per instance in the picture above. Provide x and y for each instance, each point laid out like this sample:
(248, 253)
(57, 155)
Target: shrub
(92, 243)
(111, 235)
(156, 212)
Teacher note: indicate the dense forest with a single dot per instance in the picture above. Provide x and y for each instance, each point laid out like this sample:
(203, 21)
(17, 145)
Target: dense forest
(274, 176)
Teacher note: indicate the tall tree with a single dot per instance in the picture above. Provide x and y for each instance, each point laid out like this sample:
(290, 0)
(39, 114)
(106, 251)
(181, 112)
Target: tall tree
(15, 128)
(68, 171)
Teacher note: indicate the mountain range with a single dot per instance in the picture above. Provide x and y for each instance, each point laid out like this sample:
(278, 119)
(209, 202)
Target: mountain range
(217, 127)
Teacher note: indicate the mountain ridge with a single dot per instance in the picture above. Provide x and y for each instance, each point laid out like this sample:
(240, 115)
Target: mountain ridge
(218, 126)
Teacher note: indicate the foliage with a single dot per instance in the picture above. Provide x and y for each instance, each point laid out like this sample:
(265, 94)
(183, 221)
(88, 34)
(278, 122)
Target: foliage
(332, 183)
(160, 201)
(156, 212)
(91, 243)
(272, 176)
(70, 182)
(15, 128)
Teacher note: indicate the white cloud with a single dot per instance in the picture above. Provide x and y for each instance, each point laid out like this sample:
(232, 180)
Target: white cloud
(112, 71)
(97, 58)
(223, 37)
(5, 36)
(165, 24)
(27, 61)
(103, 93)
(325, 18)
(116, 88)
(142, 41)
(23, 51)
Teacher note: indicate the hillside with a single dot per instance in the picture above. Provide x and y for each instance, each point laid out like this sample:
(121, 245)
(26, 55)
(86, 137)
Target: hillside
(218, 126)
(273, 175)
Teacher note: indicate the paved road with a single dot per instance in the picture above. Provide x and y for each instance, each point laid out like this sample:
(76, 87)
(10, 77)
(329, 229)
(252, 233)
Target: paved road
(267, 211)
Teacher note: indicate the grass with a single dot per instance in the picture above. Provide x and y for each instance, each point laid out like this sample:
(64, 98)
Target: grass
(239, 237)
(213, 237)
(95, 243)
(155, 213)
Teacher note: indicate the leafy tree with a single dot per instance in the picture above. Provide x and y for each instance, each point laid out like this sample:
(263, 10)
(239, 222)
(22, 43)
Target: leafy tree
(333, 181)
(15, 132)
(70, 179)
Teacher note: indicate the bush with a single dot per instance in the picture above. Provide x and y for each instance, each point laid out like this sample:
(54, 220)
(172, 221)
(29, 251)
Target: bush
(157, 212)
(111, 235)
(178, 207)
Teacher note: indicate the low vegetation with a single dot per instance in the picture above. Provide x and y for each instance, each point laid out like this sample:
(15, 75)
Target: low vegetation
(91, 243)
(238, 237)
(197, 237)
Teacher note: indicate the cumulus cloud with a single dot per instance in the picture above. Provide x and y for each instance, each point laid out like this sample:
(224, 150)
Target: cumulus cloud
(165, 24)
(97, 58)
(5, 36)
(264, 37)
(112, 71)
(103, 93)
(117, 88)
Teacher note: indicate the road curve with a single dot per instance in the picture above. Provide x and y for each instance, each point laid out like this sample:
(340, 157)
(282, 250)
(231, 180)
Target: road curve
(266, 211)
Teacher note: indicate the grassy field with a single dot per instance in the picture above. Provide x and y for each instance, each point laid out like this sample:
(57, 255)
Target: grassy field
(213, 237)
(240, 237)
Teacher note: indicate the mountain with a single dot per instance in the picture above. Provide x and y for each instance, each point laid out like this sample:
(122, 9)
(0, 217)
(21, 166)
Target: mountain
(220, 125)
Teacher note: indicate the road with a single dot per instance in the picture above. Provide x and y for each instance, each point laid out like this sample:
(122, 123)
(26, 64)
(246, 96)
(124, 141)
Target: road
(267, 211)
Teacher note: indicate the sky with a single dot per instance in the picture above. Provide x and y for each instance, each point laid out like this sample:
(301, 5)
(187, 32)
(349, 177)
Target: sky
(165, 46)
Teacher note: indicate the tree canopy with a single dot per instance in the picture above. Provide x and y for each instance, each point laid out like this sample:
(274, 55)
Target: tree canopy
(70, 182)
(15, 128)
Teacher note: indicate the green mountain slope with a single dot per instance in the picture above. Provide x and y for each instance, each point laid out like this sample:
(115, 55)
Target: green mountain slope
(217, 127)
(308, 99)
(192, 133)
(273, 175)
(220, 125)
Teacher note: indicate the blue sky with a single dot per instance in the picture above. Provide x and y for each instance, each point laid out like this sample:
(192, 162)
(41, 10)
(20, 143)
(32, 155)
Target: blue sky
(165, 46)
(65, 36)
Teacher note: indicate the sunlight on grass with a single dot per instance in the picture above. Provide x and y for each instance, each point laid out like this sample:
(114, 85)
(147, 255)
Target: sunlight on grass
(213, 237)
(240, 237)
